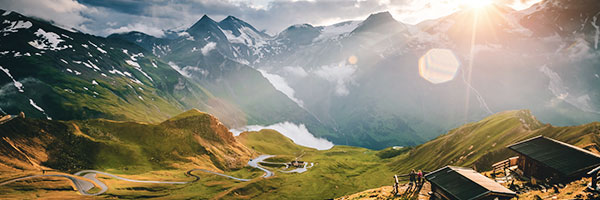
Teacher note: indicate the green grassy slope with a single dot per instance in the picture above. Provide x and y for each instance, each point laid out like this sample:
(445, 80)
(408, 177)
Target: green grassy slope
(271, 142)
(337, 171)
(482, 143)
(192, 139)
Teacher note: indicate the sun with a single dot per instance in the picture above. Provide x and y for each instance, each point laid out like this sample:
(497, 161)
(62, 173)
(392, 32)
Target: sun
(476, 3)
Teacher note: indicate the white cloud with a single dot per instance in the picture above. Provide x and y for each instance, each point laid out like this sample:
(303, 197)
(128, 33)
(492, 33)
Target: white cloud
(341, 75)
(297, 133)
(295, 71)
(98, 17)
(280, 84)
(63, 12)
(150, 30)
(189, 69)
(208, 47)
(178, 69)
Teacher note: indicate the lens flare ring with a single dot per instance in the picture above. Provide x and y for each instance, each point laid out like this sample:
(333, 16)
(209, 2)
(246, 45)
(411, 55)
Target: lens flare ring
(438, 66)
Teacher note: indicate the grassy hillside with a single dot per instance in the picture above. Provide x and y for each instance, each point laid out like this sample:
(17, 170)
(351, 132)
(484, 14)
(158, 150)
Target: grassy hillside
(192, 139)
(338, 171)
(271, 142)
(483, 143)
(480, 144)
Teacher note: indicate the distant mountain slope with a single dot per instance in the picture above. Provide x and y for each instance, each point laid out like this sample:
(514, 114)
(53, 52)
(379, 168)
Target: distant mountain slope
(53, 73)
(189, 140)
(216, 55)
(357, 82)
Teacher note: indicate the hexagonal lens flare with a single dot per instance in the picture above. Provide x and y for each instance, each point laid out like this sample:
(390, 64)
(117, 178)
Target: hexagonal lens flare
(438, 65)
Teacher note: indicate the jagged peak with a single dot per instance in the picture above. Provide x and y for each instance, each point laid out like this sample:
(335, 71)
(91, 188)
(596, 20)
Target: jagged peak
(205, 20)
(231, 18)
(298, 27)
(382, 22)
(205, 17)
(234, 25)
(385, 15)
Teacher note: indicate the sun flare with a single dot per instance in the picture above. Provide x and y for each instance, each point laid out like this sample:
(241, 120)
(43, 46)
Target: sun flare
(476, 3)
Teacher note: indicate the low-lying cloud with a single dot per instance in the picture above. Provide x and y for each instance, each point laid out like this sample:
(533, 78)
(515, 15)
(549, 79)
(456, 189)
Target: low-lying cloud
(280, 84)
(295, 71)
(341, 75)
(208, 47)
(296, 132)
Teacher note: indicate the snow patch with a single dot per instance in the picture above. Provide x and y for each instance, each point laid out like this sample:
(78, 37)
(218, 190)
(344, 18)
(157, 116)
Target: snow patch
(90, 65)
(139, 68)
(336, 30)
(15, 26)
(47, 41)
(247, 36)
(136, 81)
(39, 109)
(114, 71)
(296, 132)
(100, 50)
(17, 84)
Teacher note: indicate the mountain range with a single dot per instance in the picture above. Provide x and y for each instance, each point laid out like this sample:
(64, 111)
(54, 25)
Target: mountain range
(354, 83)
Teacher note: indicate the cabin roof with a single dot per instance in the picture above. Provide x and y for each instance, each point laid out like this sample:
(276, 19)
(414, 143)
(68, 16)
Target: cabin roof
(466, 183)
(564, 158)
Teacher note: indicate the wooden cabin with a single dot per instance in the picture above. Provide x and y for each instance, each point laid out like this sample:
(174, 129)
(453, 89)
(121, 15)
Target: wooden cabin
(457, 183)
(553, 161)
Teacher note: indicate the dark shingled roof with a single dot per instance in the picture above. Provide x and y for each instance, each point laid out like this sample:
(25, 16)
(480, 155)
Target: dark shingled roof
(465, 183)
(564, 158)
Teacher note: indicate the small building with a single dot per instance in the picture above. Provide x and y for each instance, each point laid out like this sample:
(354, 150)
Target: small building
(457, 183)
(553, 161)
(296, 163)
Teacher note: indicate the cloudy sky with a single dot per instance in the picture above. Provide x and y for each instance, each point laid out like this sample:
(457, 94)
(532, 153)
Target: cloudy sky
(103, 17)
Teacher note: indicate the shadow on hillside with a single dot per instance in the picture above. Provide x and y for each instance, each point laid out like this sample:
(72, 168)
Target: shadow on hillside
(413, 191)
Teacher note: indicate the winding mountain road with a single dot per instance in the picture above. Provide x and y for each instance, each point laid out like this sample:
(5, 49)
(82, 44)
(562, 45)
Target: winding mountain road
(81, 179)
(217, 173)
(254, 163)
(80, 184)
